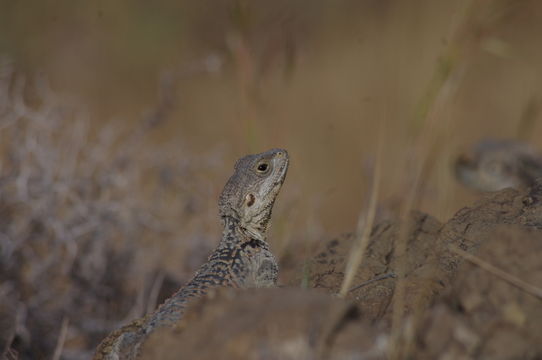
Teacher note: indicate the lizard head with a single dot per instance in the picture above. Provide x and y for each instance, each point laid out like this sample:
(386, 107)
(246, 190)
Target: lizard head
(250, 193)
(493, 165)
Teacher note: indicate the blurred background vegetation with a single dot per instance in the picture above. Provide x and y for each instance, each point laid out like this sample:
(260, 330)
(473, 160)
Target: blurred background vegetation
(180, 89)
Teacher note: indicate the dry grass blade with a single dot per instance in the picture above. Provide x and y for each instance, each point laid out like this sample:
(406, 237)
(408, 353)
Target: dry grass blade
(375, 279)
(511, 279)
(441, 92)
(61, 339)
(527, 122)
(155, 289)
(365, 224)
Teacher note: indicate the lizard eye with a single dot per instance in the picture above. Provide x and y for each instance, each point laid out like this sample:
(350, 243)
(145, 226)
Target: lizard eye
(262, 168)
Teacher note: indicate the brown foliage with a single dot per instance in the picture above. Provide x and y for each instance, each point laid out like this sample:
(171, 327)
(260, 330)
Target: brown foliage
(84, 217)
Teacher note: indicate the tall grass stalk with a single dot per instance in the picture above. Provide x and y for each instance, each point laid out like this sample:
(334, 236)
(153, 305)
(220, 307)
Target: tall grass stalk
(441, 91)
(364, 224)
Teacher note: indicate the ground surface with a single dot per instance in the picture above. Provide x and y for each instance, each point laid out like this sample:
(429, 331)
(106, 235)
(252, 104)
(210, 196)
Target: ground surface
(453, 309)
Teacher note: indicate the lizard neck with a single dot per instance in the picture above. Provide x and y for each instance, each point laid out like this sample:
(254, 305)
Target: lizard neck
(234, 233)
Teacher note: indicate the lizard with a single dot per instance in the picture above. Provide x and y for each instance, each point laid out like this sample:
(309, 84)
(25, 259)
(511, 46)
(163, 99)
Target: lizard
(492, 165)
(241, 260)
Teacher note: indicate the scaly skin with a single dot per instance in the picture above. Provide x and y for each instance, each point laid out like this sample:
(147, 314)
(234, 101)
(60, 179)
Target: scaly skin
(241, 260)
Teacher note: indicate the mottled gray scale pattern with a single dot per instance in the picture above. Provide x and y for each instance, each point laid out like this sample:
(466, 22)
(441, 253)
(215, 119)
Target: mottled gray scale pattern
(242, 259)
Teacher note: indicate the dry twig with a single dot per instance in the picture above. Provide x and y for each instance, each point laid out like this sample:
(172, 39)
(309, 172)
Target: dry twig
(503, 275)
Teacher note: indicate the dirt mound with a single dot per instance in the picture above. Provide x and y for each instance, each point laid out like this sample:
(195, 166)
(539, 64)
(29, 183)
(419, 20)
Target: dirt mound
(454, 308)
(293, 324)
(420, 265)
(428, 265)
(482, 316)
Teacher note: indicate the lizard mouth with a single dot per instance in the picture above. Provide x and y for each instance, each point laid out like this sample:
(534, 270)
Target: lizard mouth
(282, 171)
(282, 160)
(284, 168)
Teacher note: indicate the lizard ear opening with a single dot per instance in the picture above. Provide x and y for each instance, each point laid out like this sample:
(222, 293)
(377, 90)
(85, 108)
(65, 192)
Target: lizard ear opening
(250, 199)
